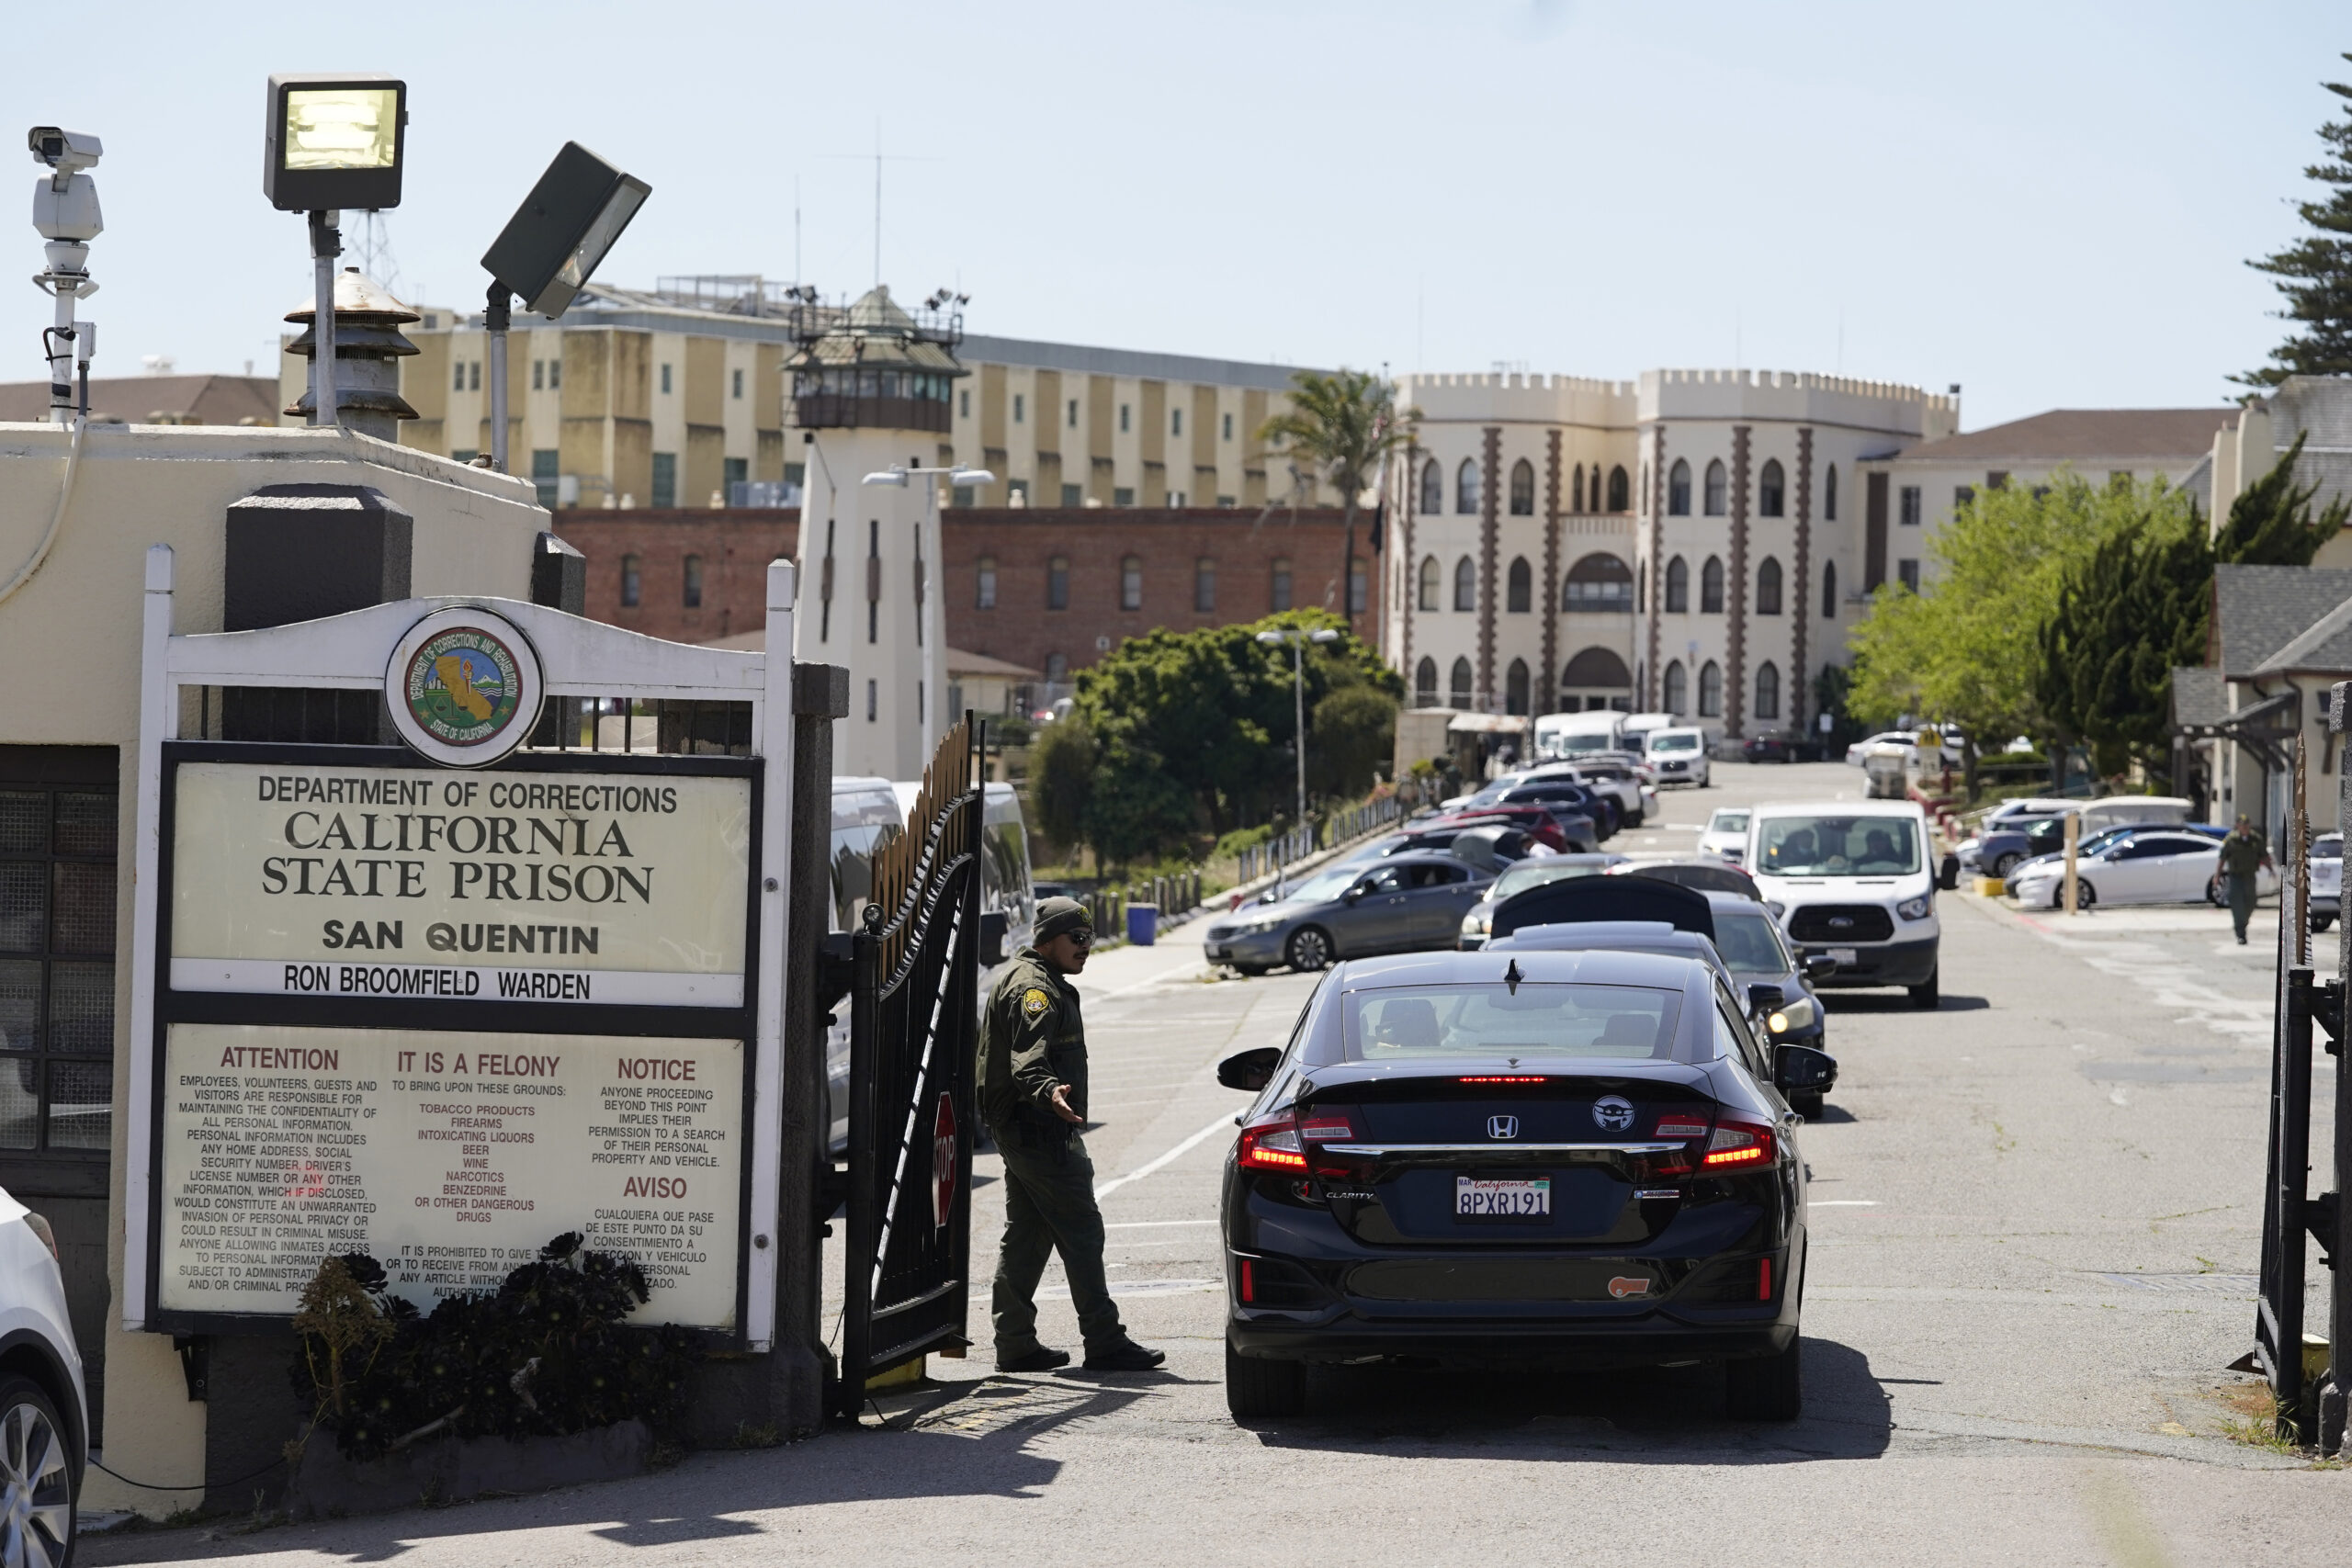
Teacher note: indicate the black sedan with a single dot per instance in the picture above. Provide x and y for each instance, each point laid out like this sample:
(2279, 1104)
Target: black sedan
(1504, 1160)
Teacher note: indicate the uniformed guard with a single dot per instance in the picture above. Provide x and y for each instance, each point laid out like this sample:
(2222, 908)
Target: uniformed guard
(1033, 1096)
(2243, 855)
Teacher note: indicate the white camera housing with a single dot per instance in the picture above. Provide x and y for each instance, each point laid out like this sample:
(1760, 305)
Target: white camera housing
(67, 151)
(69, 214)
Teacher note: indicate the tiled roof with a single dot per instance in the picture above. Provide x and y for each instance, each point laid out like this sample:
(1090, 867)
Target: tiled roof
(2267, 614)
(2178, 435)
(2200, 697)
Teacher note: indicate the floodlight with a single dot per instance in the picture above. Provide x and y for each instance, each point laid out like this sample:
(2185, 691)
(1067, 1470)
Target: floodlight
(960, 477)
(563, 229)
(1323, 634)
(335, 142)
(1269, 638)
(897, 476)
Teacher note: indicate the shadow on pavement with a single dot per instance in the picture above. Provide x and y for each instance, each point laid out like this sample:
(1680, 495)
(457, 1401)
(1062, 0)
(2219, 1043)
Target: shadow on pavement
(1830, 1113)
(1895, 1001)
(1664, 1414)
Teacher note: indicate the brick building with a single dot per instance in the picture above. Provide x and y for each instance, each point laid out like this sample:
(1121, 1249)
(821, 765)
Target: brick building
(1047, 587)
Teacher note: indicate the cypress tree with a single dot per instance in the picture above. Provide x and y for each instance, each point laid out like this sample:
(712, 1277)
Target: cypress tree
(2315, 272)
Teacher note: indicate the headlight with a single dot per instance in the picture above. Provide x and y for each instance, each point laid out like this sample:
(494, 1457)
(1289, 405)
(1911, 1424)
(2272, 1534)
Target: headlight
(1915, 909)
(1775, 908)
(1258, 928)
(1476, 924)
(1798, 1014)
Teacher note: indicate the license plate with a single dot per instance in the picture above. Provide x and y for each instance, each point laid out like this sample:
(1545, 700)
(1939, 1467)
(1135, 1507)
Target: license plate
(1475, 1198)
(1843, 955)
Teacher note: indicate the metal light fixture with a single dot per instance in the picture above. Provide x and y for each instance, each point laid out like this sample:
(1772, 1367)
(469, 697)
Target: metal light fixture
(548, 252)
(1298, 639)
(330, 142)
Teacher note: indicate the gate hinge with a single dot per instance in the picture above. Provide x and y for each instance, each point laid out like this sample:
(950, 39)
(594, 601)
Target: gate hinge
(2320, 1218)
(2327, 1011)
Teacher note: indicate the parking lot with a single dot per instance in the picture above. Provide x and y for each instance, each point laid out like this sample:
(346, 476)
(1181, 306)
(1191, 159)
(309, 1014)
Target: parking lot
(2033, 1241)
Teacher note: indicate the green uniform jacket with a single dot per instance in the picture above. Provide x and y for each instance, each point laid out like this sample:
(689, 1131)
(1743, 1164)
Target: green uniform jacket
(1031, 1039)
(2243, 854)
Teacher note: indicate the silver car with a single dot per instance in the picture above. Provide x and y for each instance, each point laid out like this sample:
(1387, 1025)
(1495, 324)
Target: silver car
(1402, 904)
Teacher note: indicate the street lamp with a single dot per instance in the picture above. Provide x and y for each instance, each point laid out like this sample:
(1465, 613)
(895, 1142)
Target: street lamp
(1298, 639)
(546, 253)
(332, 142)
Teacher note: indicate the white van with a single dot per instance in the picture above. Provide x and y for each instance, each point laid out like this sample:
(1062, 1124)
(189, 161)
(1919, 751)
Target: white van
(1678, 754)
(1561, 737)
(1854, 880)
(1639, 726)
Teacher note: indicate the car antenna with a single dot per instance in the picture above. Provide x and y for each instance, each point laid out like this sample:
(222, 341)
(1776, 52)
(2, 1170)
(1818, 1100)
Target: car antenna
(1511, 977)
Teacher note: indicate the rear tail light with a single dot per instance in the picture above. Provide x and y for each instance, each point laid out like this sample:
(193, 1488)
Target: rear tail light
(1271, 1143)
(1505, 1077)
(1738, 1144)
(1677, 1127)
(1250, 1279)
(1327, 1127)
(1763, 1279)
(38, 1225)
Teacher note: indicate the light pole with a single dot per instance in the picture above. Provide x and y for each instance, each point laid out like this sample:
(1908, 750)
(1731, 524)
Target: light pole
(1298, 639)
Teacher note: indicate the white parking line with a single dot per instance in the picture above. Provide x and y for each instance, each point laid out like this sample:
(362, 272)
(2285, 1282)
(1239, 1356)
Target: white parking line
(1222, 1124)
(1155, 1224)
(1842, 1203)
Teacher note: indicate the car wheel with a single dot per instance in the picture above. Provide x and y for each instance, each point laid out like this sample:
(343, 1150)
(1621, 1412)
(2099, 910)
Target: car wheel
(1257, 1390)
(2085, 893)
(36, 1473)
(1928, 993)
(1251, 971)
(2214, 893)
(2004, 865)
(1310, 948)
(2321, 923)
(1767, 1388)
(1805, 1105)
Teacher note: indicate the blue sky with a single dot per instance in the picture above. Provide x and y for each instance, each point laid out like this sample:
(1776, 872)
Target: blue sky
(2049, 204)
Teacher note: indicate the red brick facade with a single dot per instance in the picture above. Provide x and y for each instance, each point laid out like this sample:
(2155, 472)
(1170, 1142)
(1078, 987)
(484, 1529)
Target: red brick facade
(1167, 544)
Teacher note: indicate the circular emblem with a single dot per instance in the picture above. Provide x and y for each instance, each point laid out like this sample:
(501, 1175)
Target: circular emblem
(1614, 1112)
(463, 687)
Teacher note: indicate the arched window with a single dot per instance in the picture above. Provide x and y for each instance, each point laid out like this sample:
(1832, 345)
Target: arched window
(1460, 694)
(1596, 670)
(1465, 487)
(1711, 691)
(1522, 489)
(1829, 590)
(1771, 486)
(1768, 587)
(632, 578)
(1576, 490)
(1599, 584)
(1677, 490)
(1058, 583)
(1678, 691)
(1718, 488)
(1829, 496)
(693, 582)
(1767, 690)
(1711, 587)
(1466, 584)
(1515, 687)
(1131, 583)
(1425, 683)
(1619, 499)
(1280, 594)
(984, 584)
(1204, 584)
(1520, 592)
(1433, 583)
(1677, 587)
(1433, 487)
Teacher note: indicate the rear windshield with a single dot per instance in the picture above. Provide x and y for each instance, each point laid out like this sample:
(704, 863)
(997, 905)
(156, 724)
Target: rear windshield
(2327, 849)
(1749, 942)
(1535, 874)
(1838, 846)
(1674, 743)
(1727, 822)
(1539, 1022)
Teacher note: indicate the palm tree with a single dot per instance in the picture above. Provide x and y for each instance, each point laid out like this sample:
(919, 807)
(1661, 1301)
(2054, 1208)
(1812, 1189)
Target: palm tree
(1343, 425)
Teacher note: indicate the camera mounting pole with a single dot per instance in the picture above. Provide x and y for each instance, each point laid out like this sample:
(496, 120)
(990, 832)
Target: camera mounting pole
(326, 244)
(497, 315)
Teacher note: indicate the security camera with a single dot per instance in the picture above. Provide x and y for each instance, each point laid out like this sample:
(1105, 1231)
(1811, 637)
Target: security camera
(67, 151)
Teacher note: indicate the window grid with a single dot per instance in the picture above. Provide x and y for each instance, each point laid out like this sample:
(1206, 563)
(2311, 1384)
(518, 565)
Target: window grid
(57, 952)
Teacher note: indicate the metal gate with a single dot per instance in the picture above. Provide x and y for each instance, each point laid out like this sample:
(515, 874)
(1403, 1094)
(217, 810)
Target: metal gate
(913, 1013)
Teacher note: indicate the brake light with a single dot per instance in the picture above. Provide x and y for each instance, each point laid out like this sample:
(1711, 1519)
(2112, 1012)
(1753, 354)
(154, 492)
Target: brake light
(1676, 1127)
(1763, 1279)
(1505, 1077)
(1738, 1144)
(1249, 1281)
(1270, 1144)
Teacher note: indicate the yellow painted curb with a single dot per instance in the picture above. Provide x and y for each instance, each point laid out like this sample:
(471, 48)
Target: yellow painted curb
(1989, 886)
(899, 1376)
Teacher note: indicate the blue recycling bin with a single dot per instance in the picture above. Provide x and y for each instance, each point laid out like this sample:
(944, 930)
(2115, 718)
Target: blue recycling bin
(1143, 924)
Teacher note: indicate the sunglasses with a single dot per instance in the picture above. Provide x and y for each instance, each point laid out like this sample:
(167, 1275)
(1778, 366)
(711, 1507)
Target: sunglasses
(1081, 938)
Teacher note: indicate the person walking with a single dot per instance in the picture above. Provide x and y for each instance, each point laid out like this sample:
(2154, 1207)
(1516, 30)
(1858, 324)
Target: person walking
(1033, 1097)
(2243, 855)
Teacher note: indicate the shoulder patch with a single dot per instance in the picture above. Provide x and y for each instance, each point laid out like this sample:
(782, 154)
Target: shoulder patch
(1033, 1002)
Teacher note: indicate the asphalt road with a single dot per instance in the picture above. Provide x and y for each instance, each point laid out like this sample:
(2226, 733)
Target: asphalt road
(2034, 1228)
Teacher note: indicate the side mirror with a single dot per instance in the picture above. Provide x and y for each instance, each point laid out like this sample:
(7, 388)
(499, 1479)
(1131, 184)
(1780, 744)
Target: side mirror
(1948, 874)
(1352, 894)
(993, 925)
(1820, 966)
(1250, 1069)
(1765, 998)
(1801, 1070)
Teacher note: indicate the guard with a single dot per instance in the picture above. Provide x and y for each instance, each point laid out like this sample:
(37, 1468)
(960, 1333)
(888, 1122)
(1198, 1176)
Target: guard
(1033, 1096)
(2243, 855)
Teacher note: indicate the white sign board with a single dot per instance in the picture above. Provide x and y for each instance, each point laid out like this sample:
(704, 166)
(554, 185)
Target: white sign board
(614, 888)
(449, 1157)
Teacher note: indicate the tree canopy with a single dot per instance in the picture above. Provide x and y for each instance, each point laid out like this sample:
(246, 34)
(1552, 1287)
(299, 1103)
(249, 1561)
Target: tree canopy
(1343, 426)
(2314, 274)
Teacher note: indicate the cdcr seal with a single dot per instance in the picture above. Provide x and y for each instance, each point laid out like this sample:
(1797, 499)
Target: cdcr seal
(463, 687)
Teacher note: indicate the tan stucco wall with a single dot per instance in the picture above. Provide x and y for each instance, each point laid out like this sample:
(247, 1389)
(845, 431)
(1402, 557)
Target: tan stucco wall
(72, 635)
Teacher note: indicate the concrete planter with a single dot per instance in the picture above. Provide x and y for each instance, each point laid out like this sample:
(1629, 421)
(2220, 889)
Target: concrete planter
(452, 1468)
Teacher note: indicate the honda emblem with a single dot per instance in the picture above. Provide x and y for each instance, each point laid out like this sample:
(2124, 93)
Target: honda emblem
(1502, 1126)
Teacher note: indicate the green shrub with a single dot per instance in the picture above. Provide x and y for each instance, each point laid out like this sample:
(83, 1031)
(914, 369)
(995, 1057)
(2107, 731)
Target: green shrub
(1241, 838)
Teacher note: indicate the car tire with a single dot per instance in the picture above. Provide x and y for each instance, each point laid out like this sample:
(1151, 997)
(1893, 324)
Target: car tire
(36, 1463)
(1928, 995)
(2320, 923)
(1259, 1390)
(1766, 1388)
(1251, 971)
(2003, 864)
(2215, 894)
(1309, 949)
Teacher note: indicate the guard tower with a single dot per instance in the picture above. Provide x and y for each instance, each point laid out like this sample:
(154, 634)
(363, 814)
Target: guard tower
(871, 383)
